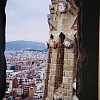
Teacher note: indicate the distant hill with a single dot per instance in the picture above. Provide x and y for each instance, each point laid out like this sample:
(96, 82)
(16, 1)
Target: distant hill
(23, 45)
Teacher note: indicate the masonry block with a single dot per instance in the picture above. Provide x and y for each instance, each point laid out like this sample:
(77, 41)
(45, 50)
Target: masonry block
(65, 92)
(69, 93)
(54, 50)
(69, 62)
(68, 50)
(50, 95)
(52, 78)
(67, 67)
(49, 98)
(70, 55)
(65, 55)
(68, 73)
(67, 98)
(53, 66)
(51, 83)
(53, 61)
(52, 72)
(50, 89)
(67, 85)
(54, 55)
(66, 79)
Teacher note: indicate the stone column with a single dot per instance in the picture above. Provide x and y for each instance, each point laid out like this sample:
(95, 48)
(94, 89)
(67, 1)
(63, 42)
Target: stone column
(68, 73)
(56, 69)
(47, 73)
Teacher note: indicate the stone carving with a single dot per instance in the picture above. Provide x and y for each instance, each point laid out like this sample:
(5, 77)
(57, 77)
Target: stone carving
(53, 24)
(62, 6)
(54, 1)
(59, 81)
(52, 9)
(68, 43)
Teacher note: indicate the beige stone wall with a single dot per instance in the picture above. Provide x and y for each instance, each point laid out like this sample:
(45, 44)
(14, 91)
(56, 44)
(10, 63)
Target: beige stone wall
(68, 73)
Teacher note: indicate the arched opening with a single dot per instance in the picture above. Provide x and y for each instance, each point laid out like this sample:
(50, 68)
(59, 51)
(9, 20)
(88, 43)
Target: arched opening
(88, 51)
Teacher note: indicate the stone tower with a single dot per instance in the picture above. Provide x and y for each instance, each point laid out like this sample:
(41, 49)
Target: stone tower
(60, 70)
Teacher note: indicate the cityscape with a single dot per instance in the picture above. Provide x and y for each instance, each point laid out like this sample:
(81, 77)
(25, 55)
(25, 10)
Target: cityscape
(25, 74)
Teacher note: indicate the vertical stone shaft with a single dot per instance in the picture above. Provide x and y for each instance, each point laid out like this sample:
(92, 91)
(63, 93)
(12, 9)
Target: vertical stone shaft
(56, 69)
(68, 73)
(60, 62)
(47, 74)
(2, 49)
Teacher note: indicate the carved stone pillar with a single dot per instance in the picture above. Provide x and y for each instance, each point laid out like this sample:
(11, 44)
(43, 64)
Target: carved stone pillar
(62, 18)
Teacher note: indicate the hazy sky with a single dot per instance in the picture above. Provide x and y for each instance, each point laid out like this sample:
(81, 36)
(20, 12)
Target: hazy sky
(27, 20)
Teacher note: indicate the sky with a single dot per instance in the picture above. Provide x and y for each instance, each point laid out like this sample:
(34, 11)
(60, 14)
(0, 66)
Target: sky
(27, 20)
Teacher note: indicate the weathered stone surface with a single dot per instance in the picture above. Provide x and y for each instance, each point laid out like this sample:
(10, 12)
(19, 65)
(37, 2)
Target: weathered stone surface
(54, 50)
(67, 98)
(69, 62)
(61, 59)
(65, 55)
(68, 73)
(54, 55)
(59, 72)
(65, 92)
(52, 77)
(67, 67)
(69, 92)
(70, 55)
(58, 77)
(66, 85)
(65, 79)
(53, 60)
(50, 89)
(68, 50)
(49, 98)
(52, 72)
(50, 95)
(53, 66)
(51, 83)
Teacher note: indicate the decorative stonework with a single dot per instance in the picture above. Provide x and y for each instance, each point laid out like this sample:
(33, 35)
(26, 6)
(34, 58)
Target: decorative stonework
(60, 64)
